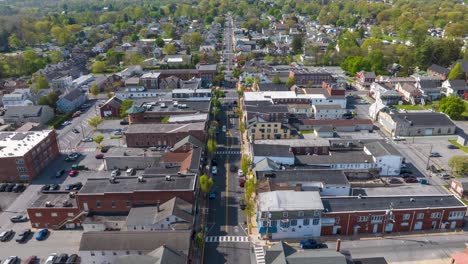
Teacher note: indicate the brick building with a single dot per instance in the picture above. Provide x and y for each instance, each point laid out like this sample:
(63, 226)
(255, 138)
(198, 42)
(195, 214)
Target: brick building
(24, 155)
(149, 135)
(150, 80)
(120, 195)
(304, 77)
(149, 112)
(111, 108)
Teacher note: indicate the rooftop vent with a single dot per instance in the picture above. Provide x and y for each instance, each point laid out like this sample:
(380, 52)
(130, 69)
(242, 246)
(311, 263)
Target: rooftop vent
(168, 178)
(360, 196)
(112, 180)
(141, 179)
(49, 204)
(411, 199)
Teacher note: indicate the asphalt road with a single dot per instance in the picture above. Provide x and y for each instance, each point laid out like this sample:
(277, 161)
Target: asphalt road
(228, 54)
(225, 218)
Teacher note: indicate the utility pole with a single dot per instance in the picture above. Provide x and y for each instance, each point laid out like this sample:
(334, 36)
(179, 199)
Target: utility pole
(429, 158)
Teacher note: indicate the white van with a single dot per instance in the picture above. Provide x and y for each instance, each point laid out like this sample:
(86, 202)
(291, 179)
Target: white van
(130, 171)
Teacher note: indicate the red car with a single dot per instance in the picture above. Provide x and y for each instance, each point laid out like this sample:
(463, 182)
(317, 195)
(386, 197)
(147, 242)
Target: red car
(73, 173)
(99, 156)
(242, 182)
(411, 180)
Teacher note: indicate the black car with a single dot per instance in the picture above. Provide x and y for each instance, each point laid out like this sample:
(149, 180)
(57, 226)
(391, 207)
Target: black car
(19, 219)
(242, 204)
(61, 259)
(105, 149)
(45, 187)
(9, 187)
(23, 235)
(3, 187)
(74, 186)
(233, 168)
(72, 259)
(452, 147)
(18, 188)
(124, 122)
(54, 187)
(76, 131)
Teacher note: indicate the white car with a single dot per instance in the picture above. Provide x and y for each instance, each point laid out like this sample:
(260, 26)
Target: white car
(50, 259)
(214, 170)
(240, 173)
(11, 260)
(88, 139)
(224, 129)
(66, 123)
(115, 173)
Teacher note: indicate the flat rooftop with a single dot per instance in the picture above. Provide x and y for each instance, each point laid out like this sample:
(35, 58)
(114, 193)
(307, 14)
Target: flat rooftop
(57, 200)
(368, 203)
(16, 144)
(278, 201)
(297, 176)
(131, 184)
(306, 142)
(340, 157)
(171, 106)
(164, 128)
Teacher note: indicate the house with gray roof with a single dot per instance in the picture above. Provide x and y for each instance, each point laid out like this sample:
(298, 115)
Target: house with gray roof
(174, 214)
(282, 253)
(161, 255)
(71, 101)
(19, 115)
(387, 158)
(454, 87)
(280, 154)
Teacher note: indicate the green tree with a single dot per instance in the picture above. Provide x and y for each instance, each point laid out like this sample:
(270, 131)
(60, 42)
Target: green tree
(206, 183)
(159, 42)
(114, 57)
(94, 90)
(290, 82)
(212, 145)
(452, 106)
(456, 73)
(126, 104)
(56, 56)
(250, 188)
(246, 162)
(459, 165)
(236, 73)
(193, 39)
(43, 100)
(276, 79)
(98, 67)
(41, 83)
(297, 44)
(52, 99)
(98, 139)
(169, 49)
(95, 121)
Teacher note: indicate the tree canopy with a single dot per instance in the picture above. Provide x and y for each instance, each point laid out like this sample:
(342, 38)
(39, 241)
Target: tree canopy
(206, 183)
(457, 72)
(452, 106)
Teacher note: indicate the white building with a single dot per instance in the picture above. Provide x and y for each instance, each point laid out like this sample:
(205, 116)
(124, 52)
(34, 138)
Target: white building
(385, 156)
(328, 112)
(279, 154)
(289, 214)
(19, 97)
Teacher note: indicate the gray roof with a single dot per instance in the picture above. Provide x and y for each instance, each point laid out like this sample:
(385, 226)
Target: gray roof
(351, 157)
(272, 87)
(131, 184)
(327, 107)
(282, 253)
(439, 69)
(25, 111)
(270, 150)
(263, 108)
(188, 139)
(278, 201)
(381, 148)
(149, 215)
(73, 95)
(264, 163)
(458, 84)
(310, 141)
(368, 203)
(164, 128)
(297, 176)
(135, 240)
(426, 119)
(135, 110)
(207, 67)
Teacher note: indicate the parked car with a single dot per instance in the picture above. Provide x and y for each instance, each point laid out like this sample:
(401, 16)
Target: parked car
(240, 173)
(45, 187)
(54, 187)
(117, 133)
(104, 149)
(411, 180)
(31, 260)
(19, 219)
(76, 131)
(41, 235)
(452, 146)
(242, 182)
(88, 139)
(435, 155)
(19, 187)
(11, 260)
(130, 171)
(3, 186)
(61, 259)
(242, 204)
(23, 235)
(51, 258)
(214, 170)
(99, 156)
(66, 123)
(73, 173)
(212, 195)
(115, 173)
(9, 187)
(394, 181)
(72, 259)
(310, 244)
(224, 129)
(76, 114)
(124, 122)
(59, 173)
(5, 235)
(445, 176)
(77, 186)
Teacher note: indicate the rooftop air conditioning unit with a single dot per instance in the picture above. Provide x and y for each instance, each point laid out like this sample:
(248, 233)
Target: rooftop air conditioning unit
(168, 177)
(49, 204)
(141, 179)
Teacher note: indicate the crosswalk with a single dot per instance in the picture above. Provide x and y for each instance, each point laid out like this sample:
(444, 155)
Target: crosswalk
(259, 254)
(236, 239)
(230, 152)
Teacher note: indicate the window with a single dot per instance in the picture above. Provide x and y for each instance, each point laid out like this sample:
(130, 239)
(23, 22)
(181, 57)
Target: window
(435, 215)
(362, 219)
(404, 224)
(264, 223)
(128, 252)
(285, 214)
(306, 222)
(420, 216)
(103, 253)
(294, 222)
(377, 217)
(21, 169)
(456, 215)
(406, 216)
(273, 223)
(300, 213)
(284, 224)
(38, 214)
(98, 204)
(115, 253)
(19, 161)
(316, 213)
(316, 221)
(162, 225)
(337, 220)
(70, 214)
(128, 204)
(53, 214)
(113, 204)
(167, 219)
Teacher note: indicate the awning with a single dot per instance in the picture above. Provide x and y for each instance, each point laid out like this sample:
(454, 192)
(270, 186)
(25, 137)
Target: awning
(271, 229)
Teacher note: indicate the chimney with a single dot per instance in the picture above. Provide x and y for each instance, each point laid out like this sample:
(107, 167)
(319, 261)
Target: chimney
(157, 205)
(338, 245)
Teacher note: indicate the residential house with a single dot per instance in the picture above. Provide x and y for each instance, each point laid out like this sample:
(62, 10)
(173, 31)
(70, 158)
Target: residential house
(384, 93)
(111, 108)
(438, 71)
(409, 92)
(338, 160)
(328, 112)
(339, 125)
(19, 97)
(416, 124)
(454, 88)
(284, 253)
(429, 89)
(306, 77)
(61, 83)
(19, 115)
(365, 79)
(148, 135)
(207, 73)
(302, 146)
(150, 80)
(459, 186)
(71, 101)
(289, 214)
(187, 143)
(387, 158)
(169, 83)
(175, 214)
(280, 154)
(301, 110)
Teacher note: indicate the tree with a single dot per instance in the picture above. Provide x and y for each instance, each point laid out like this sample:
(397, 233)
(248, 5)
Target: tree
(246, 162)
(98, 67)
(290, 82)
(296, 44)
(456, 73)
(56, 56)
(193, 39)
(43, 100)
(169, 49)
(52, 99)
(212, 145)
(159, 42)
(126, 104)
(206, 183)
(94, 90)
(95, 121)
(459, 164)
(276, 79)
(98, 139)
(236, 73)
(452, 106)
(41, 83)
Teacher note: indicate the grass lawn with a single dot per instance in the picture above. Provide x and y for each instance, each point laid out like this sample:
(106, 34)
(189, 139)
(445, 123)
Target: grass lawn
(410, 107)
(303, 132)
(455, 143)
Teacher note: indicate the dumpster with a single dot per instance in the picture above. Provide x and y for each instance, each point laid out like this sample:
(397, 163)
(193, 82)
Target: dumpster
(423, 181)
